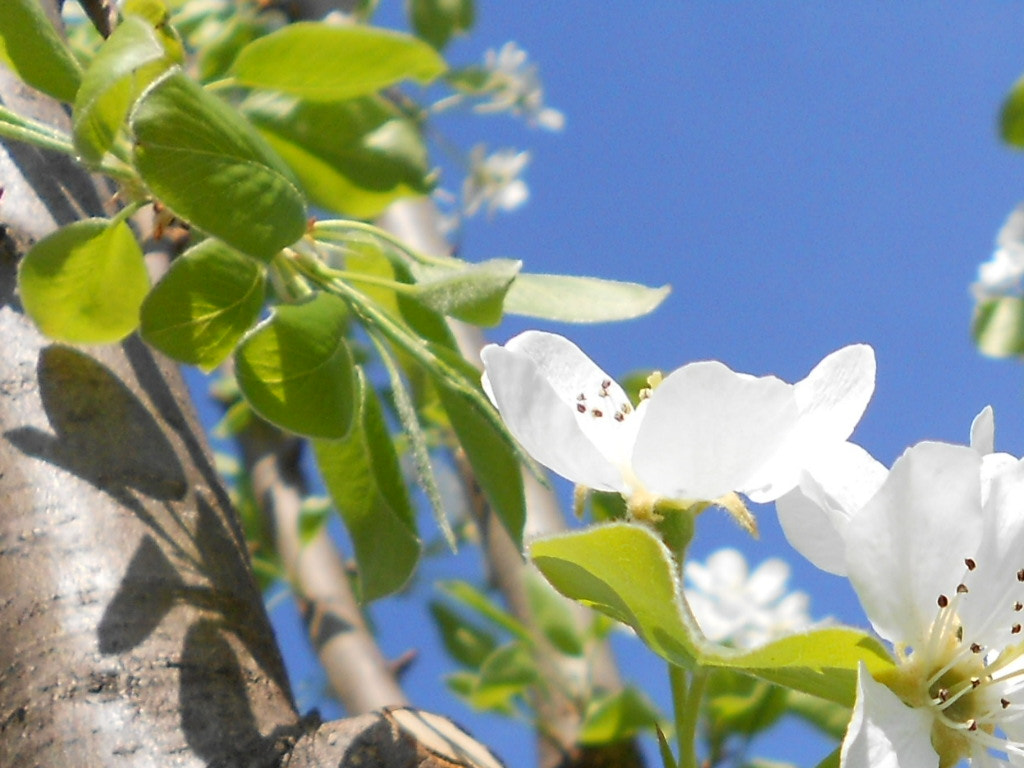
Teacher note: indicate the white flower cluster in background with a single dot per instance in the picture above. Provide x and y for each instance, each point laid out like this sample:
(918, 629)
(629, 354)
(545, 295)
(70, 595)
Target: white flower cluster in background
(494, 182)
(1003, 274)
(745, 609)
(514, 86)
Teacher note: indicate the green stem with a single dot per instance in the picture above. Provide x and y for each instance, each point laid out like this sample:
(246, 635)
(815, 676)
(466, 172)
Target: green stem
(687, 692)
(21, 128)
(337, 230)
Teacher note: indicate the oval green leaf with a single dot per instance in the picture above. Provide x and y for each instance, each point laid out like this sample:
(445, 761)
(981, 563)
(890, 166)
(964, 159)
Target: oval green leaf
(84, 283)
(1011, 118)
(332, 63)
(581, 299)
(208, 299)
(209, 165)
(296, 371)
(363, 476)
(355, 157)
(128, 61)
(35, 51)
(437, 21)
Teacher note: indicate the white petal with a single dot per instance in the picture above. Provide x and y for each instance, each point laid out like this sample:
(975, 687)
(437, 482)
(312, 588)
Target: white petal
(709, 430)
(994, 587)
(983, 431)
(908, 544)
(834, 395)
(884, 732)
(768, 581)
(814, 515)
(831, 401)
(536, 411)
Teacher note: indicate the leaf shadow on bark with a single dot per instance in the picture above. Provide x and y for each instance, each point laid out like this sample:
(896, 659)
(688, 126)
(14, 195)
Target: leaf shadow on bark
(101, 432)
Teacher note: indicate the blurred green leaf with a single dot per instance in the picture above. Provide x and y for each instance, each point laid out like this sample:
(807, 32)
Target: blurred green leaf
(35, 51)
(132, 57)
(474, 293)
(209, 165)
(1011, 119)
(84, 283)
(209, 298)
(741, 705)
(998, 327)
(618, 716)
(571, 299)
(508, 671)
(355, 157)
(332, 63)
(437, 21)
(828, 716)
(313, 516)
(832, 760)
(552, 616)
(296, 371)
(480, 603)
(668, 760)
(465, 642)
(362, 474)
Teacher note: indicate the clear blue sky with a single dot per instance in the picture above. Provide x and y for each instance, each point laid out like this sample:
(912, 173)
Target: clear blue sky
(805, 175)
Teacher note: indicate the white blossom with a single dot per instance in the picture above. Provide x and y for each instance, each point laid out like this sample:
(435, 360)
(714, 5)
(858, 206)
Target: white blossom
(705, 431)
(937, 559)
(741, 608)
(1003, 274)
(513, 85)
(493, 181)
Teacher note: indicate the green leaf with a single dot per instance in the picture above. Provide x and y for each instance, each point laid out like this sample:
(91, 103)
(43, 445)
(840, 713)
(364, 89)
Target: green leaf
(821, 662)
(437, 21)
(355, 157)
(209, 165)
(508, 671)
(551, 615)
(494, 461)
(998, 327)
(84, 283)
(208, 299)
(580, 299)
(741, 705)
(362, 474)
(474, 293)
(128, 61)
(832, 760)
(827, 716)
(332, 63)
(313, 516)
(667, 758)
(296, 371)
(617, 716)
(625, 571)
(476, 600)
(35, 51)
(465, 642)
(1011, 119)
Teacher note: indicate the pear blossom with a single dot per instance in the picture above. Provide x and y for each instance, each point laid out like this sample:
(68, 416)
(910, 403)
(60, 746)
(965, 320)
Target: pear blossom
(741, 608)
(1003, 274)
(815, 513)
(493, 181)
(936, 557)
(704, 432)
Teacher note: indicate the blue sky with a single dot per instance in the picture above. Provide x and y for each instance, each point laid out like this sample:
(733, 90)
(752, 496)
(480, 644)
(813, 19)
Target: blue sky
(805, 175)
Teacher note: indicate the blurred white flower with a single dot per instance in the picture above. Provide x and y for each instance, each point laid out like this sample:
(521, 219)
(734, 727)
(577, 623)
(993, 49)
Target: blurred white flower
(736, 607)
(493, 181)
(514, 86)
(703, 434)
(1003, 274)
